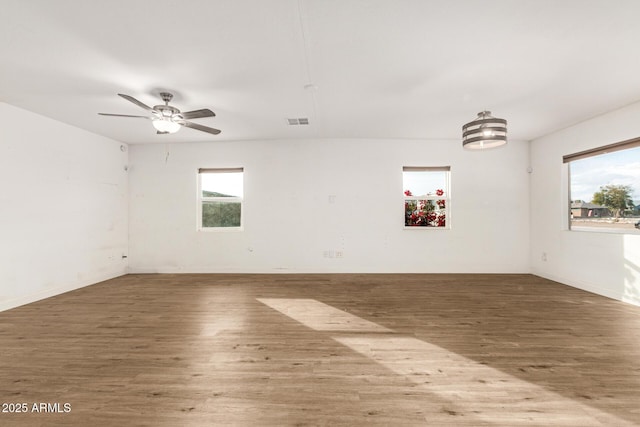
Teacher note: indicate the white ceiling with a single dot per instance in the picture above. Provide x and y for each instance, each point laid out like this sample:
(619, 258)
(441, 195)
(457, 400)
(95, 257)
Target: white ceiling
(383, 69)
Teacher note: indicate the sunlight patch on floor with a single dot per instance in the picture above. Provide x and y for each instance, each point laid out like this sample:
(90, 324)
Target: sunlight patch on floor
(473, 389)
(321, 317)
(476, 389)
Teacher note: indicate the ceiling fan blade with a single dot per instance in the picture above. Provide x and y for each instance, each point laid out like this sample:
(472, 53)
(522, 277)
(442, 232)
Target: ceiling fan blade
(124, 115)
(135, 101)
(199, 127)
(197, 114)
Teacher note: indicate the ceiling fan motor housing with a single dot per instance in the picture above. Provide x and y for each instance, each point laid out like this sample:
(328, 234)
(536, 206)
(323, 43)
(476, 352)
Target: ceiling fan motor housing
(166, 111)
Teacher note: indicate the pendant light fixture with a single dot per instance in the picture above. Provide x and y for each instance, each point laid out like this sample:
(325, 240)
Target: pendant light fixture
(484, 132)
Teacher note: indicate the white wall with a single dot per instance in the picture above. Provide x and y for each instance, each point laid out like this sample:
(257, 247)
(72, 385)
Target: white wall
(607, 264)
(289, 222)
(63, 207)
(65, 194)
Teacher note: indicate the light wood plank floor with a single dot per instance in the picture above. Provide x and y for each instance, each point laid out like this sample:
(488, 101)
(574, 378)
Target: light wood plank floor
(250, 350)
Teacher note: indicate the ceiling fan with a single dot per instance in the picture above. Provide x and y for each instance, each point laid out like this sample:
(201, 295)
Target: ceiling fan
(168, 119)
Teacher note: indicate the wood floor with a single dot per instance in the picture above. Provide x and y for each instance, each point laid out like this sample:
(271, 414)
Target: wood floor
(251, 350)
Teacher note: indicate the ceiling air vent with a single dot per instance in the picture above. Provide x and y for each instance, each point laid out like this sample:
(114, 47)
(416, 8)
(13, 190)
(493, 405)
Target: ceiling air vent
(299, 121)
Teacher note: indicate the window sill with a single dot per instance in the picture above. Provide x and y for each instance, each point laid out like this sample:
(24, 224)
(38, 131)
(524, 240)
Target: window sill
(221, 229)
(605, 230)
(418, 227)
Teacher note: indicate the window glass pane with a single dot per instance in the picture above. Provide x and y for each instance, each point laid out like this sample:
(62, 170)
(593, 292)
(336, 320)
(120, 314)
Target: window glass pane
(221, 214)
(221, 184)
(425, 213)
(426, 196)
(423, 183)
(605, 191)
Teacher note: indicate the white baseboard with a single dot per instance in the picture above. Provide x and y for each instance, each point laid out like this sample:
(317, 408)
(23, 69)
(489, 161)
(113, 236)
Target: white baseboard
(296, 270)
(589, 287)
(50, 292)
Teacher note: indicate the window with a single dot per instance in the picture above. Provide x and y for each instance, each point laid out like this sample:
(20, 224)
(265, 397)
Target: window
(426, 196)
(220, 199)
(604, 188)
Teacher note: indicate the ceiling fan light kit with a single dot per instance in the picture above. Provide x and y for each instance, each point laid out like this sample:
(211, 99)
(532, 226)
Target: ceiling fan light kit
(484, 132)
(168, 119)
(165, 125)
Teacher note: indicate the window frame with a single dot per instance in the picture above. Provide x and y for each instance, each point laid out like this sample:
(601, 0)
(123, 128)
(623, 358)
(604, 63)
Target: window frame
(446, 196)
(201, 200)
(593, 152)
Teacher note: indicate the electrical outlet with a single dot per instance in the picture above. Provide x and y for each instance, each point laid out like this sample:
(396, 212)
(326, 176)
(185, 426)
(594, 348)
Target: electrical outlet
(544, 256)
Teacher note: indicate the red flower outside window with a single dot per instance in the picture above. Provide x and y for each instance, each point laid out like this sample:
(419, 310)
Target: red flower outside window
(425, 212)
